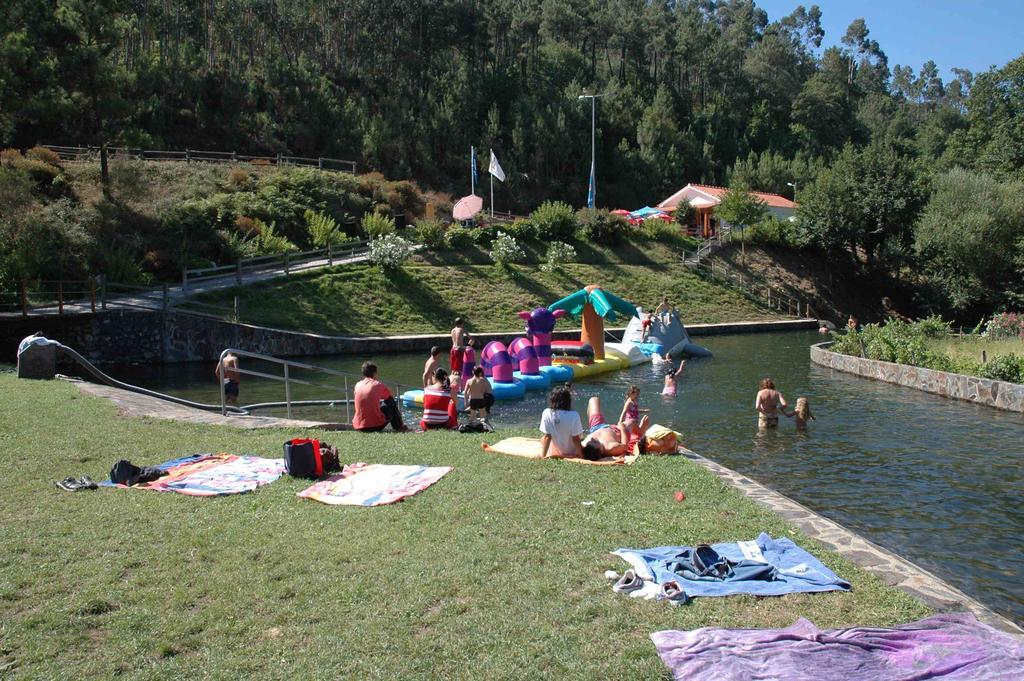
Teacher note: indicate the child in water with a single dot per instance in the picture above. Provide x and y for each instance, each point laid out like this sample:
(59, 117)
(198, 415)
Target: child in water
(630, 416)
(802, 412)
(479, 395)
(672, 379)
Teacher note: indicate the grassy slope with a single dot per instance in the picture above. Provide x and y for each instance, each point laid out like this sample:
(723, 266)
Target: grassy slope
(969, 348)
(427, 294)
(496, 572)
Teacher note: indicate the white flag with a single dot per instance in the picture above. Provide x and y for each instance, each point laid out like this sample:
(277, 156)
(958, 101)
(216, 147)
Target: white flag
(495, 168)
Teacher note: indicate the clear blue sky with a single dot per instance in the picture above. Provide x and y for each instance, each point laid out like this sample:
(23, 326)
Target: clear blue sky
(971, 34)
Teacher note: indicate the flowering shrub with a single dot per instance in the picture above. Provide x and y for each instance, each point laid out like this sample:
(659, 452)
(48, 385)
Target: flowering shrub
(505, 249)
(389, 251)
(558, 254)
(1006, 325)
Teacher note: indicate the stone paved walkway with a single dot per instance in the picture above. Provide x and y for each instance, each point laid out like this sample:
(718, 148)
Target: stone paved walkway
(885, 565)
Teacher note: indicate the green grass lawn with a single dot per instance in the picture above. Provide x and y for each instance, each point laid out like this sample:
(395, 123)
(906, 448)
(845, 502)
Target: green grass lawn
(969, 348)
(426, 295)
(495, 572)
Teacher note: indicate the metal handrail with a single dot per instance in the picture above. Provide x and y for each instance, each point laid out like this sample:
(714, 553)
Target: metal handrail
(288, 380)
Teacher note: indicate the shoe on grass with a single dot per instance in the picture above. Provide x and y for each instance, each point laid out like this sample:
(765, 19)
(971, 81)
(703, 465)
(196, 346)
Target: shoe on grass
(87, 482)
(69, 484)
(673, 593)
(628, 582)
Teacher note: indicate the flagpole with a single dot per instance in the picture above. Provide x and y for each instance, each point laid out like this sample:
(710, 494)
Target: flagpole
(472, 174)
(492, 194)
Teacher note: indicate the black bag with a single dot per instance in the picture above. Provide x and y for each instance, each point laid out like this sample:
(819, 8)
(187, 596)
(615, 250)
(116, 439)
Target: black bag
(476, 426)
(306, 458)
(125, 472)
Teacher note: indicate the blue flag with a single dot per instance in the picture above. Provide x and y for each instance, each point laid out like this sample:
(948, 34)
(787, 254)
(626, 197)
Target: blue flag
(472, 165)
(592, 191)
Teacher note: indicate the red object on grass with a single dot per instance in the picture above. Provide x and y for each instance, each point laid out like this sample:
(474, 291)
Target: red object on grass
(680, 495)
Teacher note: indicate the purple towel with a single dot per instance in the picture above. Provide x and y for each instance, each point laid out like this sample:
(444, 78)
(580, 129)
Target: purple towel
(955, 646)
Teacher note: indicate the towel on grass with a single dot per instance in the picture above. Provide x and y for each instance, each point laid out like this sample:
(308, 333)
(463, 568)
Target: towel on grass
(530, 448)
(372, 484)
(795, 570)
(948, 647)
(209, 475)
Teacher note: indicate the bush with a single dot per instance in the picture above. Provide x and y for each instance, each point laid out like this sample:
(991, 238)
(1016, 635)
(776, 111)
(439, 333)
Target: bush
(897, 341)
(684, 213)
(459, 237)
(431, 233)
(1006, 325)
(522, 229)
(48, 156)
(324, 230)
(389, 251)
(600, 226)
(10, 157)
(771, 232)
(554, 221)
(505, 250)
(559, 253)
(664, 232)
(238, 178)
(1004, 368)
(376, 225)
(269, 242)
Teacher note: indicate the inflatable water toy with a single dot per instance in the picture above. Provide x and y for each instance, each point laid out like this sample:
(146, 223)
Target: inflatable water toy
(535, 361)
(663, 338)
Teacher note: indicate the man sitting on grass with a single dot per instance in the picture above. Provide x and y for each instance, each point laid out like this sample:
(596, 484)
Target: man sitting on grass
(375, 405)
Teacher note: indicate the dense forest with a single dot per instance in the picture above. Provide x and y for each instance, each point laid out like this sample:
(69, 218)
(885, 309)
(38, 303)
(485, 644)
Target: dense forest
(697, 90)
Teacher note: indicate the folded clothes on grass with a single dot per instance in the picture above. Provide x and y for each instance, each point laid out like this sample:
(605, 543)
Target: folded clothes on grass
(365, 484)
(530, 448)
(207, 475)
(762, 567)
(948, 647)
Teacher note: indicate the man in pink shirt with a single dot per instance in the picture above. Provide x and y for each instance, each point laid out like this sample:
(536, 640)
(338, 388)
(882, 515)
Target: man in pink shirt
(375, 405)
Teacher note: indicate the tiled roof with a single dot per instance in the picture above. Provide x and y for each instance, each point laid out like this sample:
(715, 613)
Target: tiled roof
(716, 194)
(774, 200)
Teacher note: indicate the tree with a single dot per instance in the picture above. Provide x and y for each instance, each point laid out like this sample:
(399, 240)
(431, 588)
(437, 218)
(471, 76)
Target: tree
(741, 209)
(968, 237)
(863, 204)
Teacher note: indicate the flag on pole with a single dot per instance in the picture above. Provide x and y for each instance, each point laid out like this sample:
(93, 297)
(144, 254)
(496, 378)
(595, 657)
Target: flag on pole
(495, 168)
(592, 190)
(472, 165)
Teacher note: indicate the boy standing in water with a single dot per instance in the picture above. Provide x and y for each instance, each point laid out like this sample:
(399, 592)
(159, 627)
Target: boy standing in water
(230, 377)
(479, 395)
(458, 344)
(432, 364)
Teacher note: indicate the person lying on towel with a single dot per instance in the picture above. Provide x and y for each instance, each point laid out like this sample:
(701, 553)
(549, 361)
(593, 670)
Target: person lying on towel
(606, 439)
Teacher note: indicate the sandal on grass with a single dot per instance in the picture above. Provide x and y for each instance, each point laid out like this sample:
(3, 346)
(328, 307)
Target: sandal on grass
(673, 593)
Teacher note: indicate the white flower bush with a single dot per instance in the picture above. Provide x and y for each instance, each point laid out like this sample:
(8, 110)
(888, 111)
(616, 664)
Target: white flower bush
(390, 251)
(559, 253)
(505, 249)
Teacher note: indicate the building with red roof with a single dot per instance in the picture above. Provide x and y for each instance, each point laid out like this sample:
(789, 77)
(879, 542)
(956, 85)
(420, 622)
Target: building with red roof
(703, 198)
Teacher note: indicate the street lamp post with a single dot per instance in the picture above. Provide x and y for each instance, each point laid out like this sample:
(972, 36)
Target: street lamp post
(793, 185)
(592, 192)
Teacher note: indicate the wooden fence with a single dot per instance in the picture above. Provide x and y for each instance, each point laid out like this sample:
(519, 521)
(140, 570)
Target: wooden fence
(203, 156)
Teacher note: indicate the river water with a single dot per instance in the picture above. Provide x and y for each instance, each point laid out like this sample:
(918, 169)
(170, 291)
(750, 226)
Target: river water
(935, 480)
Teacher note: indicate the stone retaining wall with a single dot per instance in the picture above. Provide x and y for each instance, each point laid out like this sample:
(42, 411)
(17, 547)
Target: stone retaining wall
(149, 336)
(999, 394)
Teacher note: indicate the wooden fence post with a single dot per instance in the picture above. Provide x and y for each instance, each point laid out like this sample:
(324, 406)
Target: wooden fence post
(330, 254)
(769, 289)
(237, 316)
(286, 259)
(188, 155)
(103, 291)
(24, 300)
(320, 163)
(238, 271)
(166, 298)
(60, 297)
(92, 294)
(184, 279)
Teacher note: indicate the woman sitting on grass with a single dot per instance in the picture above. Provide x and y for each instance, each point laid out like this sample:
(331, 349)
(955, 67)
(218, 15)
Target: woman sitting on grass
(561, 426)
(439, 400)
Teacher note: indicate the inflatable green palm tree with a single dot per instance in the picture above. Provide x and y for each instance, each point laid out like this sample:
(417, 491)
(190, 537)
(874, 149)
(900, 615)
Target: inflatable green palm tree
(595, 305)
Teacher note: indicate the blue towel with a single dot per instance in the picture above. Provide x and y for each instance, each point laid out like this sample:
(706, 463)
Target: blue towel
(795, 569)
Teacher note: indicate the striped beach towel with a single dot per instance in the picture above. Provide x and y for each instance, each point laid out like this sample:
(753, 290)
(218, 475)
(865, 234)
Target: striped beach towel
(209, 475)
